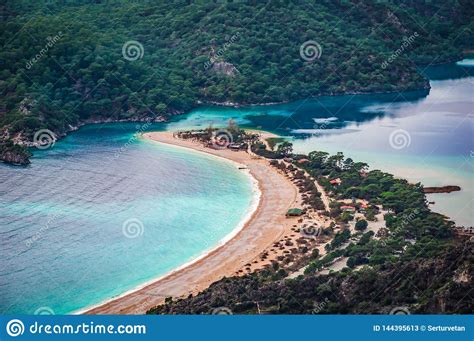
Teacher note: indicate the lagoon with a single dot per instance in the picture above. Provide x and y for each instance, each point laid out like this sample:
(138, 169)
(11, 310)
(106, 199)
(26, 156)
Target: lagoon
(424, 136)
(63, 242)
(98, 215)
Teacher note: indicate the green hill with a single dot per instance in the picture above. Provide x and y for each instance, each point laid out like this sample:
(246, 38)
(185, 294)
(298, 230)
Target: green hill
(418, 286)
(75, 61)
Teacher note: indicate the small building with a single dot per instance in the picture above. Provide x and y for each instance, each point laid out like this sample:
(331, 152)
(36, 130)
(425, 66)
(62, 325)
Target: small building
(235, 146)
(303, 161)
(294, 212)
(348, 208)
(468, 230)
(465, 230)
(335, 182)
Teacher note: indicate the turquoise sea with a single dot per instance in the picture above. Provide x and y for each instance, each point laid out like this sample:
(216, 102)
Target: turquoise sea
(103, 211)
(425, 136)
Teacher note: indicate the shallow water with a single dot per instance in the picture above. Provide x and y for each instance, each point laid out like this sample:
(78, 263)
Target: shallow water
(429, 141)
(425, 136)
(89, 220)
(63, 245)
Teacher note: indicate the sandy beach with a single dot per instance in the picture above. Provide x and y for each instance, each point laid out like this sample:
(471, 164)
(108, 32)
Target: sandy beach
(267, 225)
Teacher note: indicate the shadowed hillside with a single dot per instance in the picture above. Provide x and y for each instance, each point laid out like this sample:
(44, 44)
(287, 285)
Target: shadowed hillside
(70, 62)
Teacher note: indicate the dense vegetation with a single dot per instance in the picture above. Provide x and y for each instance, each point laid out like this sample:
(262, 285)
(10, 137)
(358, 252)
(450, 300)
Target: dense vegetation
(219, 138)
(416, 261)
(62, 62)
(411, 225)
(422, 286)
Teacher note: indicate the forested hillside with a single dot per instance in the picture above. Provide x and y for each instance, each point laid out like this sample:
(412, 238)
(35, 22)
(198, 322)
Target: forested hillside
(418, 286)
(73, 61)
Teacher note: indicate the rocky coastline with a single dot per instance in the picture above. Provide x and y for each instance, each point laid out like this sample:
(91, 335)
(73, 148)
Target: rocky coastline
(14, 150)
(20, 154)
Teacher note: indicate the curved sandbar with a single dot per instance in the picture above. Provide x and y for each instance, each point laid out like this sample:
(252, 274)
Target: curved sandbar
(266, 226)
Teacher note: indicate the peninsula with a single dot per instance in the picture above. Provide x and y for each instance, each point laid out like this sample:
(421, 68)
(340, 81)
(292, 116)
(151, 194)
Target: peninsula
(320, 217)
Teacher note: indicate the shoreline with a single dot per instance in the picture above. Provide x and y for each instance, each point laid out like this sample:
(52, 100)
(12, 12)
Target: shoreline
(256, 197)
(21, 141)
(426, 87)
(255, 202)
(163, 119)
(243, 244)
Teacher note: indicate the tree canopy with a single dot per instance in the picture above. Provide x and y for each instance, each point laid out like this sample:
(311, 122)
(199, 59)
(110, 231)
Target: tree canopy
(72, 61)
